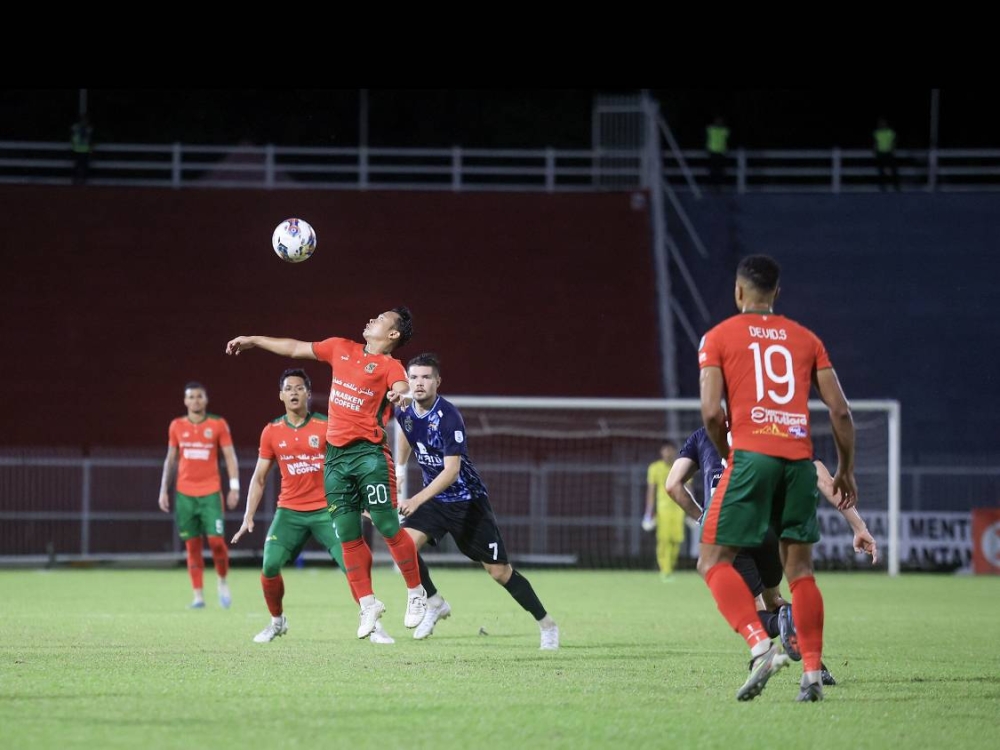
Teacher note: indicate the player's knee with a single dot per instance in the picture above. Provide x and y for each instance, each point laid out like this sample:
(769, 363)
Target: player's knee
(387, 522)
(499, 573)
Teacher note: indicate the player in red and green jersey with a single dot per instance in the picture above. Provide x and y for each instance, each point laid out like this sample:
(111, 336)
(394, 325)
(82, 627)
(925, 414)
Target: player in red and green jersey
(194, 444)
(295, 441)
(763, 365)
(359, 471)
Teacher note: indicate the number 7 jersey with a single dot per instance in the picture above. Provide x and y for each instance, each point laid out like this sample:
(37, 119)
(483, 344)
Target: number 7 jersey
(768, 363)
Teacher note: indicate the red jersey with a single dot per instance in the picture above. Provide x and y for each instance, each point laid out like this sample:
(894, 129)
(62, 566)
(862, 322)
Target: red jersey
(198, 445)
(300, 453)
(768, 363)
(359, 409)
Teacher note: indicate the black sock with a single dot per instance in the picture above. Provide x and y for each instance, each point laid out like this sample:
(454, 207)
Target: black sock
(519, 588)
(425, 577)
(770, 622)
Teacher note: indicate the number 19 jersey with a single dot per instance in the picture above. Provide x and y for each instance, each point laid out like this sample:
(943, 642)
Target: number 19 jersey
(767, 362)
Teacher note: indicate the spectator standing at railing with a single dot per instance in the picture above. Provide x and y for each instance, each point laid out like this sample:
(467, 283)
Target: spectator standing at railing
(717, 145)
(80, 135)
(884, 143)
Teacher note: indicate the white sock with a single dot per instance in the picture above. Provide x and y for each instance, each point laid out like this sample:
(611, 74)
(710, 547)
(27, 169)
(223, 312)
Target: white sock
(199, 595)
(435, 601)
(277, 620)
(546, 623)
(418, 591)
(760, 648)
(367, 601)
(810, 677)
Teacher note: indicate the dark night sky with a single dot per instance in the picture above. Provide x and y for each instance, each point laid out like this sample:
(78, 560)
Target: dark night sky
(492, 118)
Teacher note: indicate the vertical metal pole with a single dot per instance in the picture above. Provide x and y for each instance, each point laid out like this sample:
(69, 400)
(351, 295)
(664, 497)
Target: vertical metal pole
(932, 155)
(894, 499)
(85, 511)
(661, 263)
(836, 169)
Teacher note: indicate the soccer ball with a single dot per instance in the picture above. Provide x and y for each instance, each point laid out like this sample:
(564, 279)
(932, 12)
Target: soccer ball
(294, 240)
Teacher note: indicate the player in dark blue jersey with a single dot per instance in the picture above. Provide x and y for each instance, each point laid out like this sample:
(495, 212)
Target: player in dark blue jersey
(453, 499)
(759, 566)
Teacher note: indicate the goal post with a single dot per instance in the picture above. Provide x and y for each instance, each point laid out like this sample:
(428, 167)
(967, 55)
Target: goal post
(567, 476)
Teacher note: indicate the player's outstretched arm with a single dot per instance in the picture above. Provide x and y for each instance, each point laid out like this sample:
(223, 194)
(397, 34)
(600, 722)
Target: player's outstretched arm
(713, 415)
(254, 495)
(233, 469)
(283, 347)
(169, 465)
(649, 513)
(842, 424)
(682, 470)
(444, 480)
(863, 540)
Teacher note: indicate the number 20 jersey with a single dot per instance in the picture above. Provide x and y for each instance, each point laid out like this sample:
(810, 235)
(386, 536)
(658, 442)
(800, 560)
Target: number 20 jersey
(767, 362)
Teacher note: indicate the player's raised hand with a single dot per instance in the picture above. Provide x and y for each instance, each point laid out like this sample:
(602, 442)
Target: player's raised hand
(246, 528)
(239, 344)
(399, 399)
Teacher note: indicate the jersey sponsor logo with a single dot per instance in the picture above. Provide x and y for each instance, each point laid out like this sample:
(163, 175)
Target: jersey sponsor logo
(797, 432)
(771, 429)
(370, 367)
(459, 437)
(762, 415)
(425, 458)
(197, 454)
(339, 398)
(314, 441)
(302, 467)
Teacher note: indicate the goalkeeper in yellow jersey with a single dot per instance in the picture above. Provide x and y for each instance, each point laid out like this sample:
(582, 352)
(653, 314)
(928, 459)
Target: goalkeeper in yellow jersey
(669, 517)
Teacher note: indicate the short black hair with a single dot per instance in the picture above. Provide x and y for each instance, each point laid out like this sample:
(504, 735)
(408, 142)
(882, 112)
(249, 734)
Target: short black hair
(195, 384)
(427, 359)
(295, 372)
(404, 325)
(762, 271)
(668, 443)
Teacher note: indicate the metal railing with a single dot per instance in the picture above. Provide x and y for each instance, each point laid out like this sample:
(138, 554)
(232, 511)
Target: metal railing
(104, 507)
(459, 169)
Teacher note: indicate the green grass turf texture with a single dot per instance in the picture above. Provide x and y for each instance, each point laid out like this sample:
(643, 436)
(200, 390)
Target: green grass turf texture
(109, 658)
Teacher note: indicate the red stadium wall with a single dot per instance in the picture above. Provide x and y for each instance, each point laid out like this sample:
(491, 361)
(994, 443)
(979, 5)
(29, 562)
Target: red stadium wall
(114, 298)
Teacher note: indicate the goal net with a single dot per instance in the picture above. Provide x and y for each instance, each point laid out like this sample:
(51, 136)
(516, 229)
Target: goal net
(567, 477)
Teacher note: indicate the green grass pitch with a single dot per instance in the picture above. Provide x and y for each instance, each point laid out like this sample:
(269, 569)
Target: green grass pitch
(108, 658)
